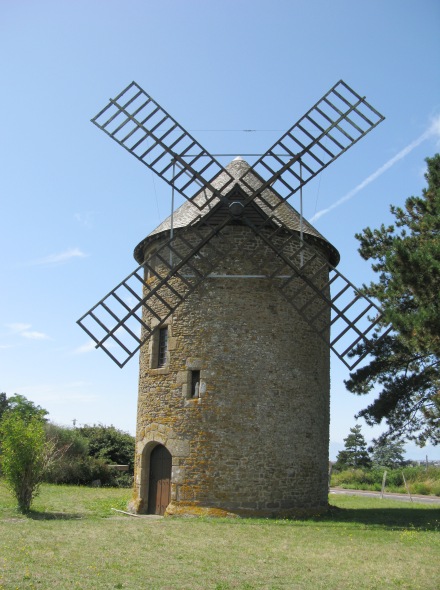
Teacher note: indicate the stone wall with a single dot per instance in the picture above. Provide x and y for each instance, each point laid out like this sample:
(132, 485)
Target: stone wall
(256, 439)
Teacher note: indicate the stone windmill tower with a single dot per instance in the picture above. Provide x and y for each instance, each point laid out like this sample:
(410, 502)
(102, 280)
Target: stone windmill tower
(240, 305)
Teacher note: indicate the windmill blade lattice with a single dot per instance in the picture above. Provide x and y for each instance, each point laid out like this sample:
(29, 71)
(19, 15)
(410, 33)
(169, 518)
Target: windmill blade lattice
(180, 265)
(167, 277)
(142, 127)
(354, 318)
(325, 132)
(333, 125)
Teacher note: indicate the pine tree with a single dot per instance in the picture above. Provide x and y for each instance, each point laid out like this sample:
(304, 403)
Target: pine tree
(405, 364)
(355, 453)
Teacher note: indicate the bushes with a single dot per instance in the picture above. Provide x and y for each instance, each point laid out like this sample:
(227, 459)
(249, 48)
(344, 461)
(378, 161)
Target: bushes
(360, 479)
(85, 455)
(34, 450)
(79, 471)
(419, 479)
(109, 443)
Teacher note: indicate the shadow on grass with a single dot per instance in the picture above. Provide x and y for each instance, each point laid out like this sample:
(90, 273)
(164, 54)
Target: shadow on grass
(382, 518)
(396, 518)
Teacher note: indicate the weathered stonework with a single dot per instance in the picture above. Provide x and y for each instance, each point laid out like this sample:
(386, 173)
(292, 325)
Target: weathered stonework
(255, 439)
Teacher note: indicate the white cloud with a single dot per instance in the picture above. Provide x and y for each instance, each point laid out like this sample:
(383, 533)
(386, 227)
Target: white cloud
(25, 331)
(61, 258)
(84, 348)
(18, 327)
(34, 335)
(432, 131)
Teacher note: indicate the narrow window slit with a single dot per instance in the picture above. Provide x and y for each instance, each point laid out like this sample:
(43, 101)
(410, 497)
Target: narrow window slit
(163, 347)
(195, 383)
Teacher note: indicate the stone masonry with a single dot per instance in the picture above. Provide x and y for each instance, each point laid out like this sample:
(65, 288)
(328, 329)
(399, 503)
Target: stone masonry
(254, 440)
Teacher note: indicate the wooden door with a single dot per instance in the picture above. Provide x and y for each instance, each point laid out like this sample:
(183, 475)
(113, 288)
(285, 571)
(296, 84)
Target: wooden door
(159, 492)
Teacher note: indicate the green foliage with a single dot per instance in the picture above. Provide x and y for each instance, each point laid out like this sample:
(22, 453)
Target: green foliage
(405, 364)
(3, 404)
(355, 453)
(21, 405)
(68, 439)
(25, 455)
(80, 471)
(82, 460)
(386, 453)
(110, 444)
(420, 479)
(77, 455)
(358, 479)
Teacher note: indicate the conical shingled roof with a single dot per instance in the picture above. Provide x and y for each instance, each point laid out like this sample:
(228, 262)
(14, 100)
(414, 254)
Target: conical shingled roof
(188, 212)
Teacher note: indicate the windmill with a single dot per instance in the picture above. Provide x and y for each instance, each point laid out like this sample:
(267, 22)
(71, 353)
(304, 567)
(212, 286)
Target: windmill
(137, 122)
(198, 245)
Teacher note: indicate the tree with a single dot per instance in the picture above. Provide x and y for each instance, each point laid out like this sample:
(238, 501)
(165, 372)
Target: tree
(355, 453)
(25, 455)
(386, 453)
(20, 404)
(405, 364)
(3, 404)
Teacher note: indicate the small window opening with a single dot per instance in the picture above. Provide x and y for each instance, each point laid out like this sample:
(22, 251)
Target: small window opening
(163, 347)
(195, 383)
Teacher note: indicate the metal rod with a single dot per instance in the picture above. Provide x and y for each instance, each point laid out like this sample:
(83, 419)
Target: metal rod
(172, 214)
(217, 276)
(301, 229)
(232, 155)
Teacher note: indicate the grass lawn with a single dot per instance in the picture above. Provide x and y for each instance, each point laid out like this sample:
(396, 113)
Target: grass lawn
(73, 539)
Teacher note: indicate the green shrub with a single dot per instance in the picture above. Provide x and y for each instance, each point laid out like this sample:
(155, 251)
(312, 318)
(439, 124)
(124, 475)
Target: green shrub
(420, 488)
(435, 488)
(419, 479)
(110, 444)
(85, 454)
(79, 471)
(25, 455)
(394, 478)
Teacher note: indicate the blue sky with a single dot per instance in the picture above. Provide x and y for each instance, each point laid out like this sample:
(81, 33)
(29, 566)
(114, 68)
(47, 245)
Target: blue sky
(74, 204)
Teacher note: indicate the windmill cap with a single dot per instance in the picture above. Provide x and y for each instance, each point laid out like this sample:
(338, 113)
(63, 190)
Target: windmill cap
(237, 168)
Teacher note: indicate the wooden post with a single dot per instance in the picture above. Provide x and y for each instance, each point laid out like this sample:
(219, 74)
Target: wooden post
(384, 478)
(407, 488)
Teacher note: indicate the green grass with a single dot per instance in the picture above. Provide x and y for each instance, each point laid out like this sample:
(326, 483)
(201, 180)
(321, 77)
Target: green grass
(72, 539)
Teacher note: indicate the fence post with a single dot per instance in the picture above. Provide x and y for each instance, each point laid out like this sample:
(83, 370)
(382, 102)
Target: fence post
(407, 488)
(384, 478)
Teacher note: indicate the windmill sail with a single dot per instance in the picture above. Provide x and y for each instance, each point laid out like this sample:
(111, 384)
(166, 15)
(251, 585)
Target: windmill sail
(142, 127)
(191, 255)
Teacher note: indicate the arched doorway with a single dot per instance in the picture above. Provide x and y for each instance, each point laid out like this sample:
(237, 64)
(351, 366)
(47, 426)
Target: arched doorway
(159, 485)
